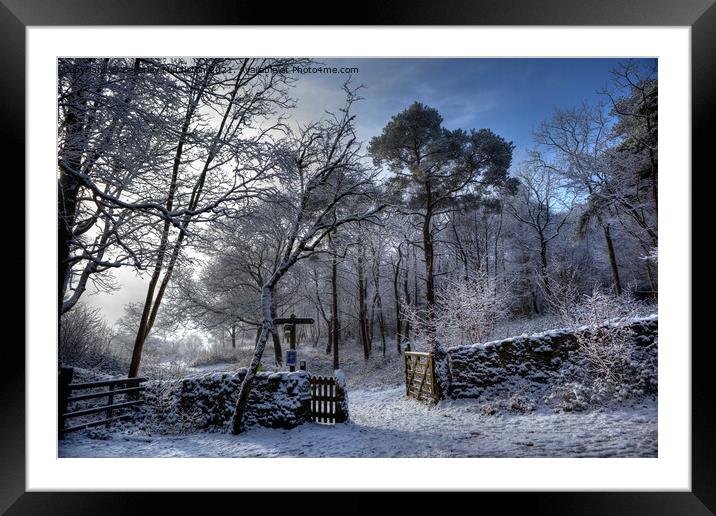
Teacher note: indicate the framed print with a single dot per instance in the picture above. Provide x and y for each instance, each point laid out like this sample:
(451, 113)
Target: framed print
(419, 252)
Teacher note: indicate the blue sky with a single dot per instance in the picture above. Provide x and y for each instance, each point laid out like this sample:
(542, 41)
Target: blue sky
(509, 96)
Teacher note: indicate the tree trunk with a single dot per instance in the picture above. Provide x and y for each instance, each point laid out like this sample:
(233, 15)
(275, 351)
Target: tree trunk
(335, 332)
(381, 323)
(150, 310)
(277, 353)
(406, 290)
(442, 368)
(497, 241)
(396, 294)
(543, 262)
(416, 287)
(429, 286)
(248, 381)
(144, 324)
(612, 258)
(68, 186)
(362, 307)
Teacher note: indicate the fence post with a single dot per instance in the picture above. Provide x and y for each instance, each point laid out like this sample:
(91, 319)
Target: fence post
(292, 341)
(341, 397)
(63, 391)
(110, 400)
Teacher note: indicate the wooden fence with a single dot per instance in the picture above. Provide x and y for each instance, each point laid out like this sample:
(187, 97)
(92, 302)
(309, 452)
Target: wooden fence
(325, 399)
(126, 388)
(420, 376)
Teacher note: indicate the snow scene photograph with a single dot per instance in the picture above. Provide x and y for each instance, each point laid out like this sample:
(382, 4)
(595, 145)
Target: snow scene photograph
(320, 257)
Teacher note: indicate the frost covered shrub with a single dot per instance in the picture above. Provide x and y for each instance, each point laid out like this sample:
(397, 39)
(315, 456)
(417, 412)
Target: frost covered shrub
(570, 397)
(516, 403)
(603, 337)
(85, 340)
(520, 404)
(156, 370)
(466, 311)
(218, 354)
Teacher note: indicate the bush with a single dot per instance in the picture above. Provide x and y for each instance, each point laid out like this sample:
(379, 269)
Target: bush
(603, 335)
(85, 340)
(466, 311)
(219, 354)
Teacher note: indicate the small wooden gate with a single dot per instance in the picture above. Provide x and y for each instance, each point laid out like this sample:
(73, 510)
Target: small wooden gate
(324, 399)
(420, 376)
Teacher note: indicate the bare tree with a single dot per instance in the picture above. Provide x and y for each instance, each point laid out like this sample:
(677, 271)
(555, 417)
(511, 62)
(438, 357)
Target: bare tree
(543, 206)
(325, 186)
(578, 138)
(114, 126)
(634, 95)
(220, 158)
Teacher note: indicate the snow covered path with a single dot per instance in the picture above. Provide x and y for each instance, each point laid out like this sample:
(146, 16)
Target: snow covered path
(387, 424)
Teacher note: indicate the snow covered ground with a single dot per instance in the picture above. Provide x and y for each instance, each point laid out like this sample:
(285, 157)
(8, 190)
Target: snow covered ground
(387, 424)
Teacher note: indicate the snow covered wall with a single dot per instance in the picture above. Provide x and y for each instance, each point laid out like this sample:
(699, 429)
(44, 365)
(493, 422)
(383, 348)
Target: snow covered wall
(206, 402)
(543, 358)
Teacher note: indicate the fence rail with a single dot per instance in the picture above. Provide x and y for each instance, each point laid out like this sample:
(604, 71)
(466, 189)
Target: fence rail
(420, 376)
(128, 388)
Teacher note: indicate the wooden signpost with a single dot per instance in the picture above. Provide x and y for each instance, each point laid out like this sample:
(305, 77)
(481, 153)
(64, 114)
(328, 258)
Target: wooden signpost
(290, 328)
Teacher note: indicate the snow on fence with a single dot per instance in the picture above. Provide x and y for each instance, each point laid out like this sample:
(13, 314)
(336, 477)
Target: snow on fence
(518, 362)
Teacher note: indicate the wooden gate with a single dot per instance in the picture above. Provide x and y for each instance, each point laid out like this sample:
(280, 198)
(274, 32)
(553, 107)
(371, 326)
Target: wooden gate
(126, 388)
(420, 376)
(324, 399)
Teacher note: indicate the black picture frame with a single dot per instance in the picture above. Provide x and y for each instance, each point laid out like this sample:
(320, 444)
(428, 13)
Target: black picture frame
(700, 15)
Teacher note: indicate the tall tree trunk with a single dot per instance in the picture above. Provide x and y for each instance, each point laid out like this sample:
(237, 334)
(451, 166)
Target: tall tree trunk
(362, 324)
(440, 358)
(277, 354)
(497, 241)
(144, 325)
(378, 303)
(406, 290)
(396, 294)
(151, 309)
(381, 323)
(544, 263)
(68, 187)
(429, 279)
(416, 287)
(248, 381)
(612, 257)
(335, 326)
